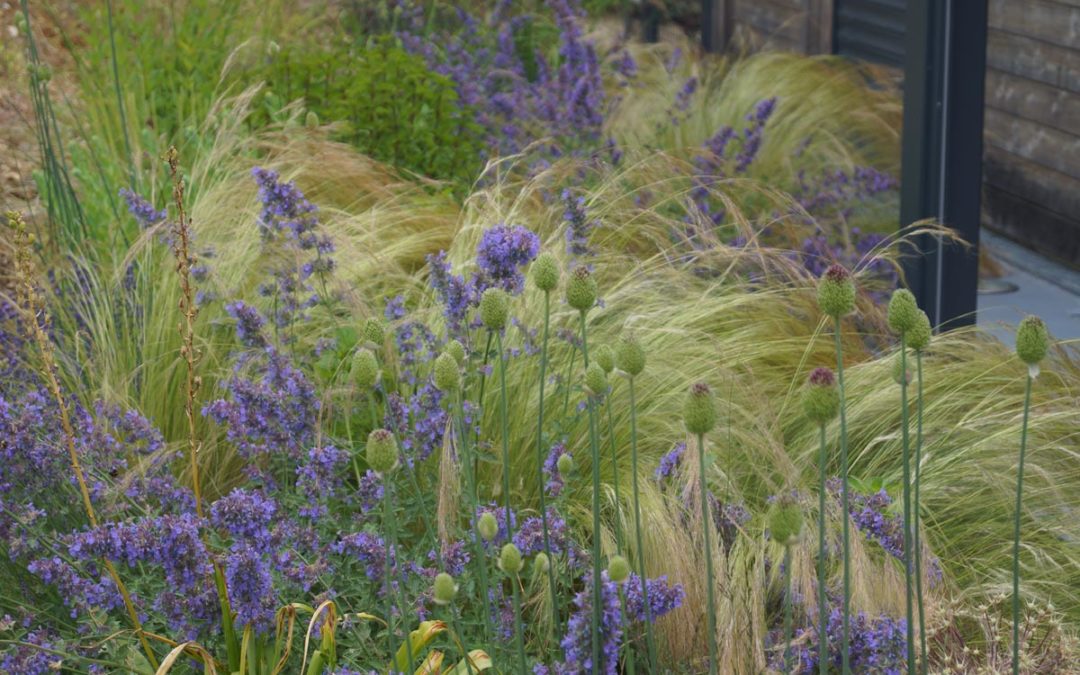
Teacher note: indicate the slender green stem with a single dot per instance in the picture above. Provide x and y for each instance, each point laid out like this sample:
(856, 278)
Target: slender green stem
(845, 639)
(566, 380)
(916, 508)
(483, 373)
(787, 609)
(540, 464)
(519, 640)
(452, 621)
(628, 645)
(705, 527)
(1016, 532)
(649, 642)
(615, 480)
(823, 597)
(479, 555)
(504, 419)
(388, 521)
(594, 447)
(906, 459)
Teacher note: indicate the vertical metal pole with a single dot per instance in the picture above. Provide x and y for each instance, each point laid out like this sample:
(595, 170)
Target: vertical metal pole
(941, 174)
(717, 24)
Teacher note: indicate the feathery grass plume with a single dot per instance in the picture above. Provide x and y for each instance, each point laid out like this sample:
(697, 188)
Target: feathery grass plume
(821, 403)
(699, 416)
(1032, 343)
(37, 325)
(630, 361)
(510, 563)
(903, 316)
(836, 298)
(544, 273)
(365, 369)
(919, 339)
(785, 526)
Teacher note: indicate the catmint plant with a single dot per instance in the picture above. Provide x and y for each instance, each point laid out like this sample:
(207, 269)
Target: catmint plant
(836, 298)
(1032, 344)
(699, 416)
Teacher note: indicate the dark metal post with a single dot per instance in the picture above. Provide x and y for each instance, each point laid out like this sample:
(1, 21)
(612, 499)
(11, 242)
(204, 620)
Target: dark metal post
(717, 24)
(941, 174)
(650, 23)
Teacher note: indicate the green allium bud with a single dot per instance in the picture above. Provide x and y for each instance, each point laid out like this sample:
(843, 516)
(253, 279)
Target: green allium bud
(618, 569)
(545, 272)
(565, 465)
(365, 369)
(456, 350)
(373, 333)
(541, 563)
(487, 526)
(494, 306)
(918, 338)
(510, 559)
(445, 588)
(629, 356)
(447, 373)
(836, 292)
(821, 399)
(903, 311)
(900, 374)
(311, 120)
(581, 289)
(1032, 340)
(604, 357)
(699, 409)
(595, 379)
(785, 523)
(381, 451)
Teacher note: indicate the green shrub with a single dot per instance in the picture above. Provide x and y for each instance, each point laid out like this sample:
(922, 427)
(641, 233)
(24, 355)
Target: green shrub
(387, 103)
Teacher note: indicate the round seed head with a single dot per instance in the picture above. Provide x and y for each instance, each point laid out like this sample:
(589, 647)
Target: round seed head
(581, 289)
(373, 333)
(565, 465)
(445, 588)
(903, 311)
(821, 398)
(447, 373)
(457, 351)
(545, 272)
(1032, 340)
(699, 409)
(381, 451)
(494, 307)
(785, 523)
(618, 569)
(630, 357)
(605, 358)
(595, 379)
(836, 292)
(901, 370)
(365, 369)
(311, 120)
(541, 564)
(487, 526)
(510, 559)
(918, 338)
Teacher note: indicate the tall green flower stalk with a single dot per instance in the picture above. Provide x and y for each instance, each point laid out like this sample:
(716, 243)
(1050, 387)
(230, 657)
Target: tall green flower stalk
(494, 309)
(785, 527)
(821, 402)
(382, 458)
(836, 298)
(619, 572)
(903, 317)
(630, 361)
(918, 339)
(443, 591)
(699, 416)
(605, 358)
(510, 564)
(1032, 343)
(545, 275)
(581, 294)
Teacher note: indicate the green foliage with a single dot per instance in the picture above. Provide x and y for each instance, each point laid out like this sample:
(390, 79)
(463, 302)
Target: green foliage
(384, 101)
